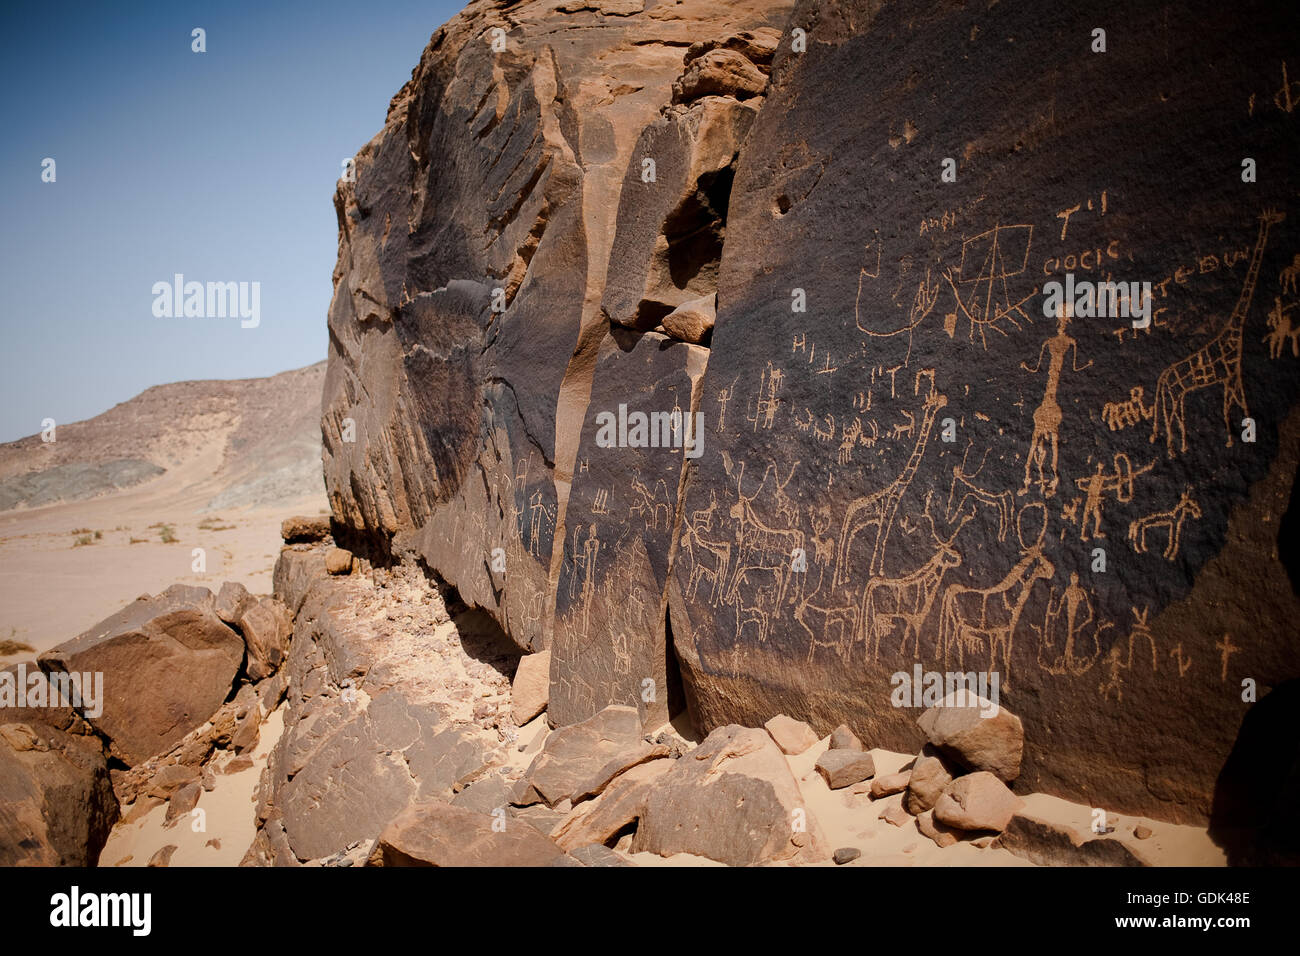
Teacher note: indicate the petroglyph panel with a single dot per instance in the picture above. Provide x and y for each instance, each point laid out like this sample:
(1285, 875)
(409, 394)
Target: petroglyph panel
(610, 645)
(1071, 500)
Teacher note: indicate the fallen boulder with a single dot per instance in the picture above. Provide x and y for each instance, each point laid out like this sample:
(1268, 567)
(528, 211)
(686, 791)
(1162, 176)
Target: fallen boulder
(977, 801)
(843, 768)
(576, 759)
(56, 801)
(168, 663)
(304, 529)
(434, 833)
(961, 727)
(930, 777)
(530, 691)
(792, 736)
(696, 806)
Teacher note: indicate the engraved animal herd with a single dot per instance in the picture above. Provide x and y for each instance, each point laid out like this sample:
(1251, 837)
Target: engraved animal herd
(758, 563)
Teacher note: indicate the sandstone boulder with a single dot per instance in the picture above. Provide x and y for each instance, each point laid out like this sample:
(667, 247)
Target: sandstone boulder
(961, 727)
(843, 768)
(231, 600)
(620, 806)
(579, 760)
(43, 700)
(295, 572)
(338, 561)
(936, 830)
(931, 774)
(842, 738)
(434, 833)
(719, 72)
(890, 783)
(266, 626)
(693, 808)
(305, 529)
(977, 801)
(167, 663)
(529, 692)
(56, 801)
(692, 321)
(792, 736)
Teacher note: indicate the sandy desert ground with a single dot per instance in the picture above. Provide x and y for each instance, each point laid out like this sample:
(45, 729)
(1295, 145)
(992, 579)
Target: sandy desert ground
(51, 589)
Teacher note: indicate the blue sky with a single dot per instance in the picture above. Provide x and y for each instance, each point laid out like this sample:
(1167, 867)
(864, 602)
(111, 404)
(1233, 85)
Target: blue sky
(220, 166)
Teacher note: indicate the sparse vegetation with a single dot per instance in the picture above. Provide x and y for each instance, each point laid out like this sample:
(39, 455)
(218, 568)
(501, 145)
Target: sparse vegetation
(9, 646)
(214, 524)
(80, 531)
(83, 540)
(139, 541)
(167, 533)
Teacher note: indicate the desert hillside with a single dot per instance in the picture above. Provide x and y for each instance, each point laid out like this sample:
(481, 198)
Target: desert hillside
(117, 504)
(266, 429)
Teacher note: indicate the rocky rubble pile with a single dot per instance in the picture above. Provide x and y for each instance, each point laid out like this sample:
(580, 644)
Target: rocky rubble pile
(144, 708)
(414, 734)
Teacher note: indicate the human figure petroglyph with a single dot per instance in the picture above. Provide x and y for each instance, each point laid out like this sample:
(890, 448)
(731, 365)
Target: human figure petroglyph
(1113, 682)
(1170, 521)
(1070, 615)
(1218, 362)
(765, 404)
(878, 510)
(1115, 661)
(538, 512)
(1096, 485)
(1281, 331)
(1047, 417)
(656, 508)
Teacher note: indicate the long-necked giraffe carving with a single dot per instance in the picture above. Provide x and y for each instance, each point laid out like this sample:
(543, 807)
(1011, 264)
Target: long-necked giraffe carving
(878, 509)
(1217, 362)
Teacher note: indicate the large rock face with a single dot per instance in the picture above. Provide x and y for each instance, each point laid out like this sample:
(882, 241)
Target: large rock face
(909, 455)
(473, 255)
(946, 457)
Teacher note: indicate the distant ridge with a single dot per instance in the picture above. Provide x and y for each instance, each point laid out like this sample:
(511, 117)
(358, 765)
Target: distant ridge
(268, 430)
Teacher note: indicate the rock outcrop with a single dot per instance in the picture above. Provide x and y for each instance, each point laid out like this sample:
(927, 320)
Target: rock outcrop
(56, 802)
(740, 408)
